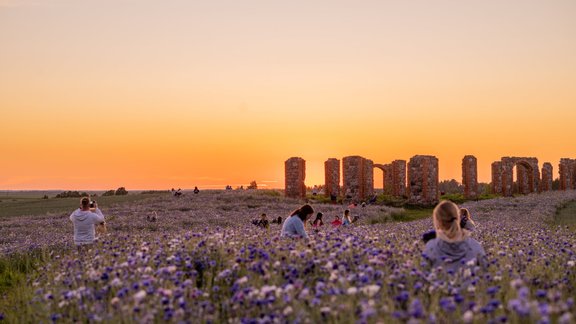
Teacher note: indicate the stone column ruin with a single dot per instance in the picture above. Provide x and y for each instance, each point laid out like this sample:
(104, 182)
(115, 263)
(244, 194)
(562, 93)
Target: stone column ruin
(423, 180)
(497, 177)
(547, 177)
(470, 176)
(527, 171)
(358, 178)
(294, 175)
(567, 170)
(398, 178)
(332, 177)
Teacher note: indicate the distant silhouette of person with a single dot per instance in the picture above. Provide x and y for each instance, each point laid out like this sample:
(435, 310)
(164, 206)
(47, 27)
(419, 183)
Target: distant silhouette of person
(333, 198)
(277, 220)
(153, 218)
(314, 191)
(373, 200)
(294, 225)
(262, 222)
(196, 190)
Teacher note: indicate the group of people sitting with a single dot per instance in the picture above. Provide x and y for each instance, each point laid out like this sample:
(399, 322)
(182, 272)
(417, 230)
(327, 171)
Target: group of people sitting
(315, 224)
(176, 193)
(264, 223)
(449, 245)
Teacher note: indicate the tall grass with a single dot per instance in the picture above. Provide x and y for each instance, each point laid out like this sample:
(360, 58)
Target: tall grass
(566, 214)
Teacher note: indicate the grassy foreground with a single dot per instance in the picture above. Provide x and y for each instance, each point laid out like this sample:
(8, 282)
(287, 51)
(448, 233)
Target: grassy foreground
(566, 215)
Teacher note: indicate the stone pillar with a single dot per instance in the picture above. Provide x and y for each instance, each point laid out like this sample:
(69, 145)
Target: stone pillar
(388, 179)
(522, 179)
(423, 180)
(507, 177)
(547, 177)
(332, 177)
(470, 176)
(399, 178)
(368, 180)
(497, 178)
(294, 176)
(567, 170)
(358, 178)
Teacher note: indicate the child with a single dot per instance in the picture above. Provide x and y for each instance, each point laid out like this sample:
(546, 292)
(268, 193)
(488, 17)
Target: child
(336, 222)
(317, 223)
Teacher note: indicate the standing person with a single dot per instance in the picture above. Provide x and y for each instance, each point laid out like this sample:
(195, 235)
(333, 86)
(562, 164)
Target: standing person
(294, 225)
(84, 220)
(346, 220)
(317, 223)
(452, 247)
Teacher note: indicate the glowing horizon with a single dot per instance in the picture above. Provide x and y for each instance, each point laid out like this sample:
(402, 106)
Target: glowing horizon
(151, 95)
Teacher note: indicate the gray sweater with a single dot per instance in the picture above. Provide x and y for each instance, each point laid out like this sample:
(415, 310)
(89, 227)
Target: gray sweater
(452, 256)
(84, 221)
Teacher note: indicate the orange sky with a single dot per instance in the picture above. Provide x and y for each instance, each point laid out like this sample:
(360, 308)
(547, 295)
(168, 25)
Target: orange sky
(155, 94)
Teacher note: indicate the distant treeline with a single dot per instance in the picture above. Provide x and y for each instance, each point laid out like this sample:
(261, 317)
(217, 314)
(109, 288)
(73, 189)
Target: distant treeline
(151, 192)
(77, 194)
(71, 194)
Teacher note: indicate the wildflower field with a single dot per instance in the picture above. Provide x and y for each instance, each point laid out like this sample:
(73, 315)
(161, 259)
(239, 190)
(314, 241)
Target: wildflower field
(202, 261)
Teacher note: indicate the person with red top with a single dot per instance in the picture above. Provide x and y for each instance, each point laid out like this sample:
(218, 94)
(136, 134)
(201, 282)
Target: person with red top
(336, 222)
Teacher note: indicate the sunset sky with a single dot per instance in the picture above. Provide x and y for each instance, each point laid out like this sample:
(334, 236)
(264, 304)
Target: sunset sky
(159, 94)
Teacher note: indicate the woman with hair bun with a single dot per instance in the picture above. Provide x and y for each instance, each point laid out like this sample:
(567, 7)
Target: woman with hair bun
(453, 247)
(294, 225)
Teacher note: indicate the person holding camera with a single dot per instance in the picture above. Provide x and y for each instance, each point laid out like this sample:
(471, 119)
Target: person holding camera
(84, 219)
(452, 247)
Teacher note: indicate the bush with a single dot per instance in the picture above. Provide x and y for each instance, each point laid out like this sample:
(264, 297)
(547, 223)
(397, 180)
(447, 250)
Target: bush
(253, 185)
(71, 194)
(389, 200)
(455, 198)
(121, 191)
(108, 193)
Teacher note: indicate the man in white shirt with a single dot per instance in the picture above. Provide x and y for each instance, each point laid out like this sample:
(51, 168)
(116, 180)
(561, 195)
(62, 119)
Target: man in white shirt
(84, 220)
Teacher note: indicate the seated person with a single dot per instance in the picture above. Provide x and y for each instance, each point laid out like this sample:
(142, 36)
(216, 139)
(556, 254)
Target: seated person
(294, 225)
(453, 247)
(336, 222)
(346, 220)
(317, 223)
(277, 220)
(466, 223)
(262, 222)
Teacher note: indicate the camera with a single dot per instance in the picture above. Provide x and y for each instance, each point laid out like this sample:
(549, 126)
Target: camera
(92, 202)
